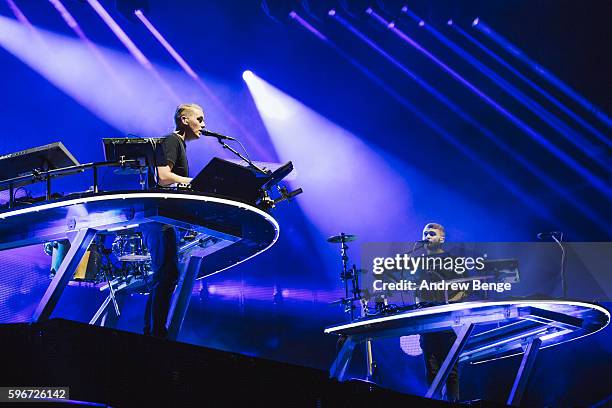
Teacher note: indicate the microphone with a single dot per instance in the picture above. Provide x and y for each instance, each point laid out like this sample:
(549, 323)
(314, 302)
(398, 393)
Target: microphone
(544, 235)
(219, 136)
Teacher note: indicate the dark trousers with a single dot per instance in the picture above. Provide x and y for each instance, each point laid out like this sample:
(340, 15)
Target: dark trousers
(161, 241)
(435, 348)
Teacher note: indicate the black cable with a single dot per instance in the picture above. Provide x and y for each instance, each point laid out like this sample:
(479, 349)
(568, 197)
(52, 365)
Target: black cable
(155, 171)
(245, 150)
(27, 193)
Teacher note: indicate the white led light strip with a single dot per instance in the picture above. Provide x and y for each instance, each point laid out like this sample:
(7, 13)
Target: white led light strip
(466, 305)
(139, 195)
(123, 196)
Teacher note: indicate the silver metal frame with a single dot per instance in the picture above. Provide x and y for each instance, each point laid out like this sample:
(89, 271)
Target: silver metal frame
(527, 325)
(78, 247)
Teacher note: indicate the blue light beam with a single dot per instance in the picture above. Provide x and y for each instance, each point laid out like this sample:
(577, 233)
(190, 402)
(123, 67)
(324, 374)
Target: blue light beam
(547, 117)
(556, 102)
(569, 197)
(602, 185)
(541, 71)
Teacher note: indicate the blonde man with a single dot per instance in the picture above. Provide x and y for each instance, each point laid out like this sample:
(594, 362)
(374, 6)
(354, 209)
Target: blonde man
(160, 239)
(174, 166)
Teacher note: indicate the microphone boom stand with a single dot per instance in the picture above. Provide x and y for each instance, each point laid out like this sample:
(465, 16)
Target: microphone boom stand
(237, 153)
(563, 281)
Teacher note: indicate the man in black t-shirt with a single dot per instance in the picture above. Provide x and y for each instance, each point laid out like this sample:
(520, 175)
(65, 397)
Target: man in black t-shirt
(160, 239)
(436, 345)
(174, 167)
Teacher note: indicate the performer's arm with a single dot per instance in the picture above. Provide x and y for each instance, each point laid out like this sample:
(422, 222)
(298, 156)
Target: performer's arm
(166, 177)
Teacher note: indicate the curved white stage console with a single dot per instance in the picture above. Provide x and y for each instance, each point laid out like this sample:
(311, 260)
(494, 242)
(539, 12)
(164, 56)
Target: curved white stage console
(237, 230)
(508, 328)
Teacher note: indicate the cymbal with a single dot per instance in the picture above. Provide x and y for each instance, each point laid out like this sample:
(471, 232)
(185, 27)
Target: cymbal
(134, 258)
(336, 239)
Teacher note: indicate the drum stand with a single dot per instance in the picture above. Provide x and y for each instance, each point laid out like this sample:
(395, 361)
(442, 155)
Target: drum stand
(111, 297)
(349, 277)
(352, 293)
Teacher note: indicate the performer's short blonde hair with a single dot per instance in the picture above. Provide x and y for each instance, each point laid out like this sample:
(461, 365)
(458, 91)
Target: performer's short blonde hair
(180, 111)
(435, 225)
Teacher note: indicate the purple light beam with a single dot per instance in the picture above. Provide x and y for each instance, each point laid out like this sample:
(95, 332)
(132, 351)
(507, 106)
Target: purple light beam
(533, 85)
(564, 157)
(19, 14)
(578, 140)
(72, 23)
(132, 48)
(379, 201)
(25, 22)
(469, 119)
(513, 187)
(541, 71)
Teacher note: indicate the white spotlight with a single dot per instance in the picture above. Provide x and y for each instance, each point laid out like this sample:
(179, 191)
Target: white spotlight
(247, 75)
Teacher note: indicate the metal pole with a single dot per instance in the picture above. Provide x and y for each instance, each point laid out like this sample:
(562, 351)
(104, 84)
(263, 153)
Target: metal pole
(95, 179)
(48, 194)
(343, 359)
(369, 360)
(100, 310)
(182, 296)
(11, 195)
(65, 272)
(522, 376)
(450, 360)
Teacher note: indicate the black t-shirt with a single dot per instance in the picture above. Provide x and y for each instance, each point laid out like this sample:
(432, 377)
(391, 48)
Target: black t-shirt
(175, 150)
(437, 275)
(172, 151)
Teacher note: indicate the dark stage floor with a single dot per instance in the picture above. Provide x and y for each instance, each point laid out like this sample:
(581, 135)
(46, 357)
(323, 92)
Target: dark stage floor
(116, 368)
